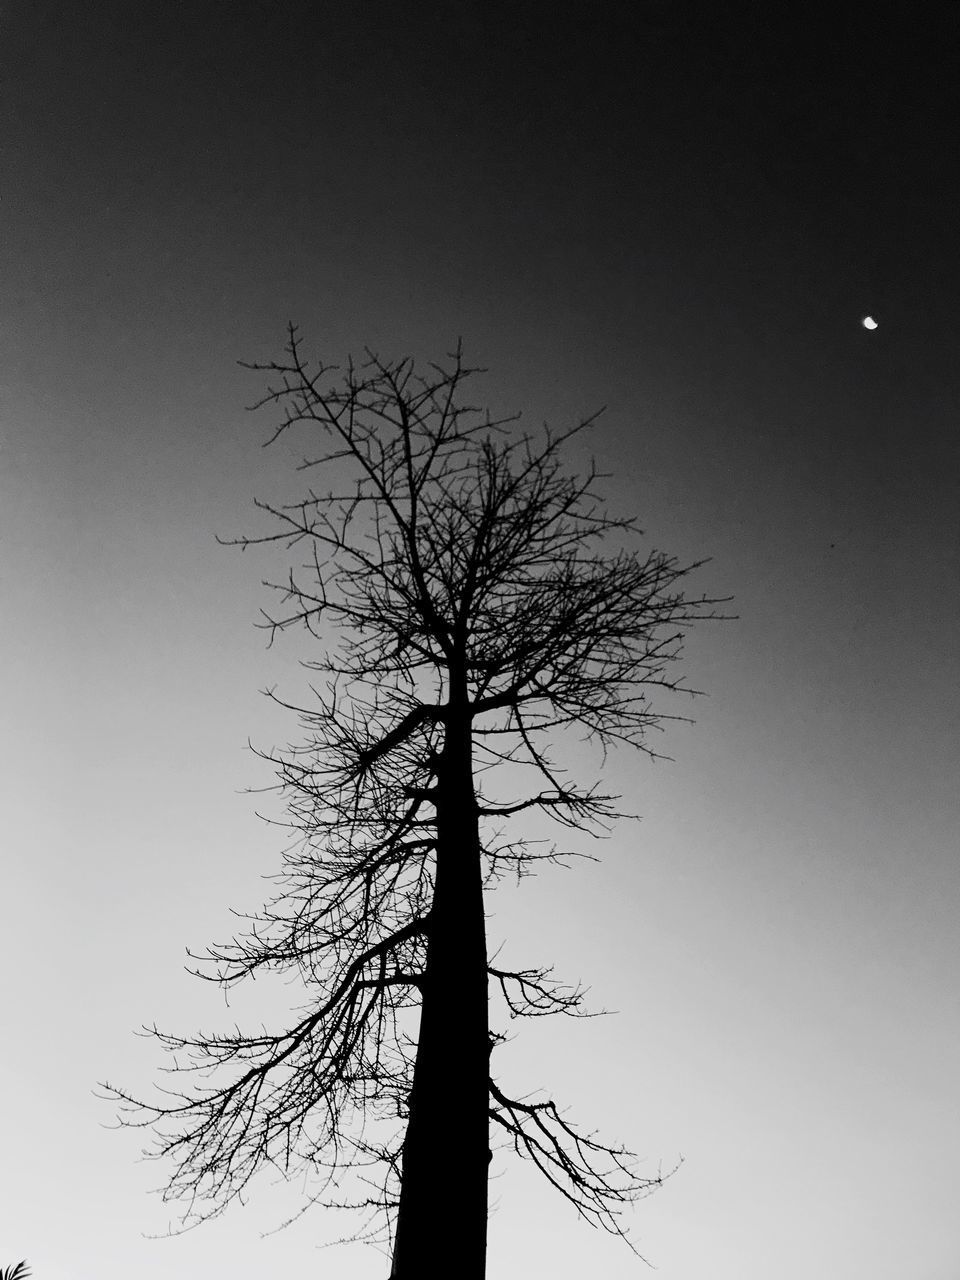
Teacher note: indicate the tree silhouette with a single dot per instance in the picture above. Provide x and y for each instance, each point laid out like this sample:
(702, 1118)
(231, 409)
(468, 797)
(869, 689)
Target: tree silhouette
(471, 610)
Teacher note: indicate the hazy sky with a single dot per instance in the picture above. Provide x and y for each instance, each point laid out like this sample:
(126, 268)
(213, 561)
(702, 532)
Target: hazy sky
(660, 208)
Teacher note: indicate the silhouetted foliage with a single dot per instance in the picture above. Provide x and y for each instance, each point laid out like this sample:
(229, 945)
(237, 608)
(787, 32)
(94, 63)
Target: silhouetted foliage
(470, 609)
(20, 1271)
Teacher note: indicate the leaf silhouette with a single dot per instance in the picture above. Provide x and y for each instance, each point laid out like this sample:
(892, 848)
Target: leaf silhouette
(20, 1272)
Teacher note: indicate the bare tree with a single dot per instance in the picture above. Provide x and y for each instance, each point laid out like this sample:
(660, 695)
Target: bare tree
(485, 605)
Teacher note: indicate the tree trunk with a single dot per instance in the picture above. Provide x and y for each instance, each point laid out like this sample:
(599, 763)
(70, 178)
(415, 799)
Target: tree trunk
(442, 1218)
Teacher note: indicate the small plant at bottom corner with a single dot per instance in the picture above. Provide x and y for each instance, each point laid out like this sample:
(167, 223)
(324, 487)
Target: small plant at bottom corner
(20, 1271)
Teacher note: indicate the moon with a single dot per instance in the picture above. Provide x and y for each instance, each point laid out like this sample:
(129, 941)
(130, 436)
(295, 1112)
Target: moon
(868, 322)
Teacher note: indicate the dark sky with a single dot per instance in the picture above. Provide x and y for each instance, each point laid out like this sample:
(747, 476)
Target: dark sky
(678, 210)
(646, 185)
(665, 151)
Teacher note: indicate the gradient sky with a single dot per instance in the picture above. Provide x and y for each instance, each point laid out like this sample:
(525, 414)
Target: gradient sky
(678, 214)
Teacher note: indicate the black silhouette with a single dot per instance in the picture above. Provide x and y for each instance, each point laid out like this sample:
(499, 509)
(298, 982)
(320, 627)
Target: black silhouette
(20, 1271)
(483, 609)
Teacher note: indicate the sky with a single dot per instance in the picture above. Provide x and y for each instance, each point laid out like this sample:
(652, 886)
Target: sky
(681, 212)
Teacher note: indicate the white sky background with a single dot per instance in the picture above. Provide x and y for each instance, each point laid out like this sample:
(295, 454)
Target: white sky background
(779, 933)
